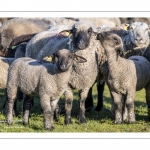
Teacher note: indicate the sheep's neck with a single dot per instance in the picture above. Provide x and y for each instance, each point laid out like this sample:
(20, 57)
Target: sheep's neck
(114, 62)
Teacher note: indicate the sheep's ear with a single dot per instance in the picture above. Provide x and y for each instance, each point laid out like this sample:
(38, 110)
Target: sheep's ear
(65, 33)
(79, 59)
(48, 58)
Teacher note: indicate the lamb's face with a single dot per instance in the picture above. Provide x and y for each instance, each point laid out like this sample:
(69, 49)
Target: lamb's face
(110, 41)
(138, 32)
(81, 36)
(63, 59)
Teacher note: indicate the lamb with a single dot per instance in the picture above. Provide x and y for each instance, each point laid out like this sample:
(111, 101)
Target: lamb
(47, 80)
(8, 30)
(125, 77)
(135, 42)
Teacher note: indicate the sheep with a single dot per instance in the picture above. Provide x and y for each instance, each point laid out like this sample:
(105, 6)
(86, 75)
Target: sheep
(83, 43)
(124, 77)
(47, 80)
(18, 46)
(59, 30)
(132, 46)
(8, 30)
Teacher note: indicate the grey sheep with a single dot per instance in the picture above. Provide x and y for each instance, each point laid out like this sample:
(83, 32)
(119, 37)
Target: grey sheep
(16, 27)
(124, 77)
(47, 80)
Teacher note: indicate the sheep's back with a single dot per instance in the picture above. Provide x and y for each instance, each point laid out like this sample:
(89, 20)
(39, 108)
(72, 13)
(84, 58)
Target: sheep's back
(142, 71)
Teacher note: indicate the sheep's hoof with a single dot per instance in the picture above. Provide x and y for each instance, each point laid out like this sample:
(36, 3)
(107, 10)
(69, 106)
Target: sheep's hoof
(49, 128)
(25, 123)
(118, 122)
(9, 122)
(68, 121)
(83, 120)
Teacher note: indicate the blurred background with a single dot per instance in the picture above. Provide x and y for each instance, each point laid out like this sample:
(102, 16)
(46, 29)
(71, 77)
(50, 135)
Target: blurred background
(112, 22)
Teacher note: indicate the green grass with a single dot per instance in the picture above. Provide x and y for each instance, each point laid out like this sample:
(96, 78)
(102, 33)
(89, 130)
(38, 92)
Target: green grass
(96, 121)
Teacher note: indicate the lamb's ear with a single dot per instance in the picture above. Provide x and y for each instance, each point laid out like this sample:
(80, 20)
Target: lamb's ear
(65, 32)
(79, 59)
(49, 59)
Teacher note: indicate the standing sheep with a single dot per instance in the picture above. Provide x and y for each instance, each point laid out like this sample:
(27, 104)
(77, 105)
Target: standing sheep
(16, 27)
(47, 80)
(125, 77)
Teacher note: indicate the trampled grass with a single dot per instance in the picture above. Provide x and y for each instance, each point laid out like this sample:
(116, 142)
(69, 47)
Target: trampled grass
(97, 122)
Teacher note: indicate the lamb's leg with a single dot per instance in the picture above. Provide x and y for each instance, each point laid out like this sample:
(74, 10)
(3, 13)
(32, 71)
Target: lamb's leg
(55, 108)
(148, 99)
(48, 113)
(100, 90)
(27, 103)
(82, 97)
(130, 106)
(117, 107)
(89, 101)
(11, 97)
(68, 105)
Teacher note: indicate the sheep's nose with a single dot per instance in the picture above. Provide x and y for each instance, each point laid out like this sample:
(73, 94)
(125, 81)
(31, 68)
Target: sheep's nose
(81, 41)
(63, 66)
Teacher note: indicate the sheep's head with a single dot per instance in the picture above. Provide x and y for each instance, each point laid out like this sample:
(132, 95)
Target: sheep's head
(111, 41)
(81, 35)
(64, 59)
(138, 32)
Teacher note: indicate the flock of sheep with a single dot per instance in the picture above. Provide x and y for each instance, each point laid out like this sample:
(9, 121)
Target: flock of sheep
(50, 59)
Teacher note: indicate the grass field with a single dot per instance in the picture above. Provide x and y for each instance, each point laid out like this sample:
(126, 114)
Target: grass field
(96, 121)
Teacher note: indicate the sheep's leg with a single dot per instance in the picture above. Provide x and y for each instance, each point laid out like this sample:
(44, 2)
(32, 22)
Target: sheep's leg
(15, 112)
(11, 97)
(125, 112)
(55, 108)
(68, 105)
(48, 113)
(130, 106)
(89, 101)
(100, 90)
(117, 107)
(57, 112)
(148, 99)
(82, 97)
(27, 103)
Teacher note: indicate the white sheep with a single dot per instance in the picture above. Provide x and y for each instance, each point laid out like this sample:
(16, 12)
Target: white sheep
(124, 77)
(47, 80)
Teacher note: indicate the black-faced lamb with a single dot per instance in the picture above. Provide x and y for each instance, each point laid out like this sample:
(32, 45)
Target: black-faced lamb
(125, 77)
(47, 80)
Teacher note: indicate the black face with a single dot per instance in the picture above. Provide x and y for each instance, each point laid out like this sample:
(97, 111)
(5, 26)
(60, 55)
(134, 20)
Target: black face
(82, 38)
(63, 60)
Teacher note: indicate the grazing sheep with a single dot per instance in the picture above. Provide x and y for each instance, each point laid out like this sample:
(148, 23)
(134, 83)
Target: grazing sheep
(135, 42)
(125, 77)
(47, 80)
(16, 27)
